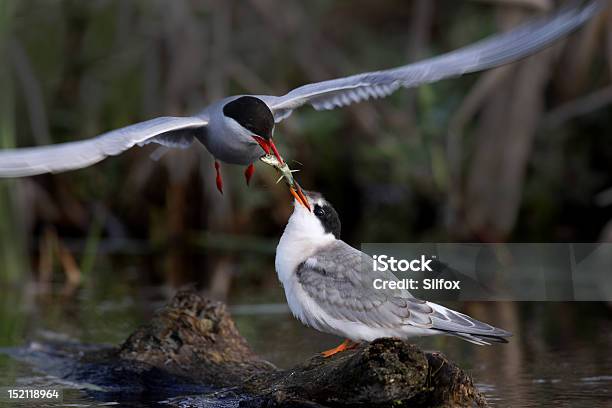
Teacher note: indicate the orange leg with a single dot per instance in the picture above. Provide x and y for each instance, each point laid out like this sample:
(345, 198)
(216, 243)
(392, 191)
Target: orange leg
(248, 173)
(346, 345)
(218, 179)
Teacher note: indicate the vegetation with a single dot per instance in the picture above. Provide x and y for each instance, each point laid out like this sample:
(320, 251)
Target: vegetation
(519, 153)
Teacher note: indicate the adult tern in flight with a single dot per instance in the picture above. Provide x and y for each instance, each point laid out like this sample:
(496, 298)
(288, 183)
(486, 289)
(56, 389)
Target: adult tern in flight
(329, 286)
(239, 129)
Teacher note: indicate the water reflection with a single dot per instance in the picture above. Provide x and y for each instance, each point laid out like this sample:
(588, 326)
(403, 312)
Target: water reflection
(569, 369)
(559, 356)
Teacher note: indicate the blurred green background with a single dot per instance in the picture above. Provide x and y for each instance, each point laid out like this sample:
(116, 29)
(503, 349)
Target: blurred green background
(521, 153)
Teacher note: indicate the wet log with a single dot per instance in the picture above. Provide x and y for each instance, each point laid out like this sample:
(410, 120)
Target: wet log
(195, 338)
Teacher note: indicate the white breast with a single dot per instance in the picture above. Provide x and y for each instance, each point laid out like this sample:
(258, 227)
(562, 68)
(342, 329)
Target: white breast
(230, 142)
(302, 238)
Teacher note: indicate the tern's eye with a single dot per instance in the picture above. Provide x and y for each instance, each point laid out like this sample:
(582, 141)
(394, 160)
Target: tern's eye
(319, 211)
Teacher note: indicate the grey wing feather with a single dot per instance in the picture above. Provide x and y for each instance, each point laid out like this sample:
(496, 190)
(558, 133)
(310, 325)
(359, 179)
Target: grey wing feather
(340, 279)
(168, 131)
(464, 326)
(488, 53)
(336, 279)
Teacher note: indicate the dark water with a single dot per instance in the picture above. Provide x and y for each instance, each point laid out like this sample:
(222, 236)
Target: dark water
(559, 357)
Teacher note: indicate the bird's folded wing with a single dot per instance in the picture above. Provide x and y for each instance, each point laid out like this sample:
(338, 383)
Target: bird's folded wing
(340, 280)
(168, 131)
(488, 53)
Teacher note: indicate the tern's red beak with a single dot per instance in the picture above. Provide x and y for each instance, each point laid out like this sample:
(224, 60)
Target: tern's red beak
(268, 145)
(298, 194)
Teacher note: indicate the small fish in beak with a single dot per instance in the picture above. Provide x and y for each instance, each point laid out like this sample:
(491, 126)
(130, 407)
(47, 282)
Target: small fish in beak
(287, 175)
(268, 146)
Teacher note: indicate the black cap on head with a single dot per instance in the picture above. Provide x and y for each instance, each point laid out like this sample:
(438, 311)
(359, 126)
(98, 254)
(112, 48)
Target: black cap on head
(252, 114)
(324, 211)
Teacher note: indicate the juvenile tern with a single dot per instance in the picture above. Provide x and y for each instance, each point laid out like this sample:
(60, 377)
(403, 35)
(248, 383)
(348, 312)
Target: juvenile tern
(329, 287)
(236, 129)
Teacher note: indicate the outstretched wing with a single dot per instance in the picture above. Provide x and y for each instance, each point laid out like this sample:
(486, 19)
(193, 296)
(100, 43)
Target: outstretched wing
(167, 131)
(340, 280)
(489, 53)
